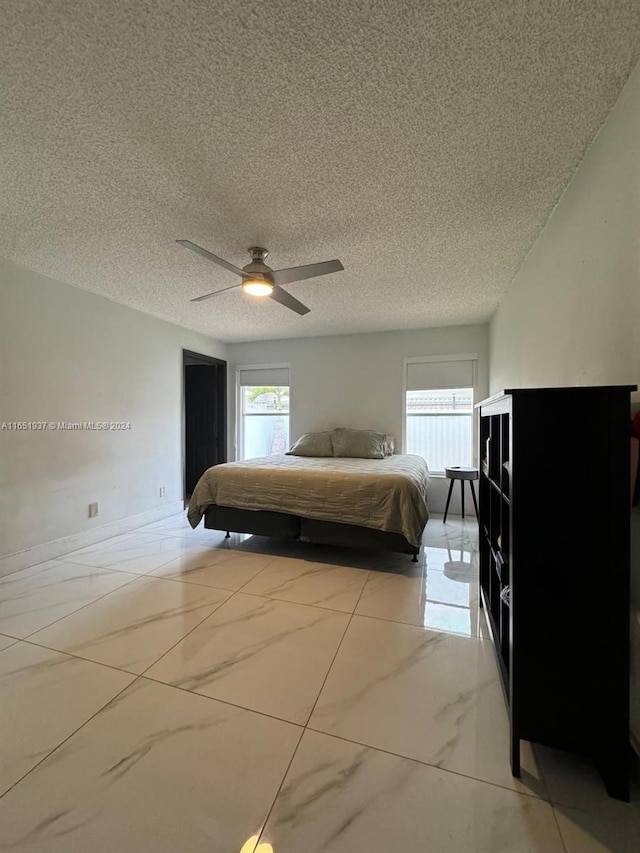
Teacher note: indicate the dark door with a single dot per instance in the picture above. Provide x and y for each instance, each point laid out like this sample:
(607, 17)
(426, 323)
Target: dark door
(204, 416)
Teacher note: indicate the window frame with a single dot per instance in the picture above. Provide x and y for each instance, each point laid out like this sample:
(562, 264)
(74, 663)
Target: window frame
(430, 359)
(239, 432)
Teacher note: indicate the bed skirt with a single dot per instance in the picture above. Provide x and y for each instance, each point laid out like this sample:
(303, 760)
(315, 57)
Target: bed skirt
(282, 525)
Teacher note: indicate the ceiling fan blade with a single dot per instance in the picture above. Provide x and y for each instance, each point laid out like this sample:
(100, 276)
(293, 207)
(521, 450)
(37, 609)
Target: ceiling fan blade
(307, 271)
(215, 293)
(289, 301)
(220, 261)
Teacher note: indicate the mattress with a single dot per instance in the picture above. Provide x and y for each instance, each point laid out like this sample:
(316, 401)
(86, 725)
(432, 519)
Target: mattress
(387, 494)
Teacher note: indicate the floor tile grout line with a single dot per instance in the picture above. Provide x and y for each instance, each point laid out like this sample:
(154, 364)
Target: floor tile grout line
(188, 634)
(180, 580)
(333, 659)
(95, 601)
(216, 699)
(598, 814)
(266, 566)
(193, 583)
(112, 666)
(280, 786)
(78, 657)
(129, 534)
(424, 627)
(74, 732)
(78, 609)
(305, 728)
(148, 573)
(427, 764)
(52, 559)
(123, 571)
(98, 568)
(188, 583)
(295, 603)
(222, 603)
(30, 637)
(557, 823)
(134, 577)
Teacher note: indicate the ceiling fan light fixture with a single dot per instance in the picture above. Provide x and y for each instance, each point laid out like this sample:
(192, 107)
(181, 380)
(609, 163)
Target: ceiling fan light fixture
(257, 287)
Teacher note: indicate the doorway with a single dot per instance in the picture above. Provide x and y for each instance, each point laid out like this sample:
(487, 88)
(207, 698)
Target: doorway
(204, 416)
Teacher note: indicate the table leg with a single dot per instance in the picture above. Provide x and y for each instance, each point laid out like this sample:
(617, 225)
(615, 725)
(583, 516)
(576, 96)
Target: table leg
(475, 502)
(446, 509)
(462, 495)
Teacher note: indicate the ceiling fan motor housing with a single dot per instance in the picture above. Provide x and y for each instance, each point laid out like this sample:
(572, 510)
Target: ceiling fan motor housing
(257, 267)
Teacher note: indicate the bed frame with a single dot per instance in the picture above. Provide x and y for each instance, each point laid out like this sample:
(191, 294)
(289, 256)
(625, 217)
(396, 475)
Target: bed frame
(285, 526)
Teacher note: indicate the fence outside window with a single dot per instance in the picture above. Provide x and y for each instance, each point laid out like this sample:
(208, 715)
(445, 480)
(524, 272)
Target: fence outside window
(439, 426)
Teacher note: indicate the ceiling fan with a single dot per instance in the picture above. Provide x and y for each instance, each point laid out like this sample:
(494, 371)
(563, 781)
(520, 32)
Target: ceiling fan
(260, 280)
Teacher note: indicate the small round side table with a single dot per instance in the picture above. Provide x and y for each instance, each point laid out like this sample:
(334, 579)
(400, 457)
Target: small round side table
(458, 472)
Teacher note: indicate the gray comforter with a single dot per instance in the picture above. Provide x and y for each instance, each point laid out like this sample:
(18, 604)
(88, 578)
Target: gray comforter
(385, 494)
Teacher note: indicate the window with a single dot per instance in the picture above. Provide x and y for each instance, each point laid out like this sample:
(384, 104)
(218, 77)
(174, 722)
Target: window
(263, 406)
(439, 422)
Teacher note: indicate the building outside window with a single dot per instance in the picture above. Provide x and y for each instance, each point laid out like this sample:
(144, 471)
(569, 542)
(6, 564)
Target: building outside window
(263, 407)
(439, 415)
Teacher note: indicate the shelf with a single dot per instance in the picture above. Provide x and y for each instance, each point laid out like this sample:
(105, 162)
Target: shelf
(546, 674)
(495, 637)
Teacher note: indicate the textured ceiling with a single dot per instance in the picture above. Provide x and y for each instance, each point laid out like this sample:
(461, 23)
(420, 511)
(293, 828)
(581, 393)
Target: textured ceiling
(422, 143)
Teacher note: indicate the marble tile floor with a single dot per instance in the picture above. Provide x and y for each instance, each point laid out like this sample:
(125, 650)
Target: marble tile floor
(170, 690)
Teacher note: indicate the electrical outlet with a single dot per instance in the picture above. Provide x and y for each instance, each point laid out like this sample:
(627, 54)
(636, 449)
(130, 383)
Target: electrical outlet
(93, 510)
(162, 491)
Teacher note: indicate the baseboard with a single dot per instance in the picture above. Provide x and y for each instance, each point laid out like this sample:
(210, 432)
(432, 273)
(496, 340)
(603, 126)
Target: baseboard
(50, 550)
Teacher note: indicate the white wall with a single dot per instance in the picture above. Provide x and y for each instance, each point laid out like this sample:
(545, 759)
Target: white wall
(572, 314)
(69, 355)
(356, 380)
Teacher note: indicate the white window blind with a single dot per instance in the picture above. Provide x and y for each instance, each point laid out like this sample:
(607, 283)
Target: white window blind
(259, 376)
(422, 375)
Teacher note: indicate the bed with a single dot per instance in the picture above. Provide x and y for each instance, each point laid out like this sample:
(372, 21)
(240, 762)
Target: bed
(369, 503)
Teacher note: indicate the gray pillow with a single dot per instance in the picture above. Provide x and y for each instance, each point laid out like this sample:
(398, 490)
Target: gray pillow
(312, 444)
(358, 443)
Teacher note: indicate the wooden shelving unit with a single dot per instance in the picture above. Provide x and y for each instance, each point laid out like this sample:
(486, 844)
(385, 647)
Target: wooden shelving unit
(554, 567)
